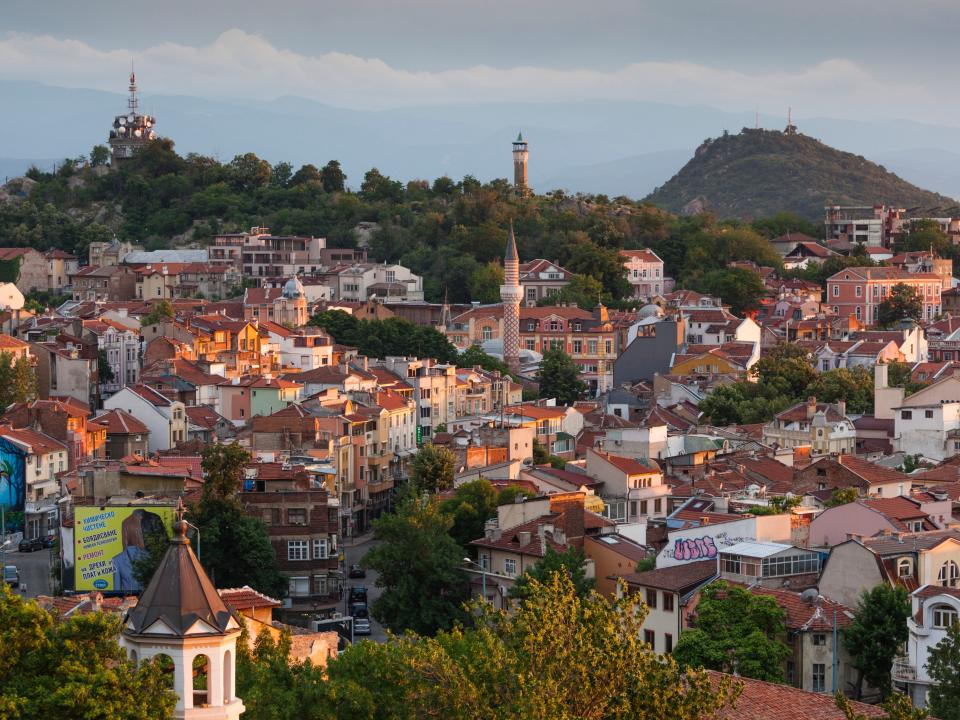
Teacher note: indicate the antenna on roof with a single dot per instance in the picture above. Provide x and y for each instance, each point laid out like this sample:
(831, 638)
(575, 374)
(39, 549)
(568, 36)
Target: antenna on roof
(756, 118)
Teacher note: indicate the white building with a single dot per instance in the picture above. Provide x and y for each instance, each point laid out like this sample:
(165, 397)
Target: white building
(927, 422)
(633, 491)
(824, 427)
(934, 608)
(644, 271)
(121, 345)
(167, 419)
(386, 282)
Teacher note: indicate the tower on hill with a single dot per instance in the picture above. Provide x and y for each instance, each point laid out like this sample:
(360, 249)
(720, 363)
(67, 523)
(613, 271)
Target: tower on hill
(520, 155)
(131, 132)
(511, 293)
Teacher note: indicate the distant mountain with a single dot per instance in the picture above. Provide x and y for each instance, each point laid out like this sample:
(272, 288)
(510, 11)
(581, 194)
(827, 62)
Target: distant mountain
(757, 173)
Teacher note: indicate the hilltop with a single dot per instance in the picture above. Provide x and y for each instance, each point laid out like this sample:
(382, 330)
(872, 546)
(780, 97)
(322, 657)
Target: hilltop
(758, 173)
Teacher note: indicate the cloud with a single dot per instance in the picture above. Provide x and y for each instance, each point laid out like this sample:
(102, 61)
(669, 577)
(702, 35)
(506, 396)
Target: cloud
(239, 64)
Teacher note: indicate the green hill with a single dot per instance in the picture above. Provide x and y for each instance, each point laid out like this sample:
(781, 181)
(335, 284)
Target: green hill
(759, 173)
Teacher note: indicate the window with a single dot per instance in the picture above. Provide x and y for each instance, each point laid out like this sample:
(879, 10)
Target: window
(487, 332)
(299, 586)
(949, 574)
(858, 291)
(509, 566)
(904, 567)
(906, 415)
(657, 505)
(649, 637)
(577, 347)
(652, 599)
(944, 616)
(668, 602)
(643, 507)
(819, 677)
(791, 671)
(321, 549)
(819, 639)
(928, 414)
(730, 564)
(667, 643)
(319, 584)
(297, 550)
(836, 290)
(425, 393)
(297, 516)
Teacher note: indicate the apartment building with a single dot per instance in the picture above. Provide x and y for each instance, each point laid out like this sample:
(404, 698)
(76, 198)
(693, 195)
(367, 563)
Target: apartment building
(644, 270)
(121, 345)
(541, 279)
(393, 283)
(823, 427)
(858, 291)
(259, 254)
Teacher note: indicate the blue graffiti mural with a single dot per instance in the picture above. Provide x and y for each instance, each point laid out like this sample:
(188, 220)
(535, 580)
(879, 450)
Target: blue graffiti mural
(13, 477)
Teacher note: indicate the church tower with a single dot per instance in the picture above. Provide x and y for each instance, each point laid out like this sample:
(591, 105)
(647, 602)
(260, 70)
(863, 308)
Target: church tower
(511, 293)
(520, 155)
(132, 131)
(181, 618)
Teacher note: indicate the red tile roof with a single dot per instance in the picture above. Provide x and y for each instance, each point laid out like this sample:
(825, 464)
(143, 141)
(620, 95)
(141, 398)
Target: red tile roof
(244, 598)
(677, 578)
(628, 465)
(120, 422)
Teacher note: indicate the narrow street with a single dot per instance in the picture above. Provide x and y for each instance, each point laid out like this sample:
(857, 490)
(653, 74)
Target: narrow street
(34, 571)
(353, 554)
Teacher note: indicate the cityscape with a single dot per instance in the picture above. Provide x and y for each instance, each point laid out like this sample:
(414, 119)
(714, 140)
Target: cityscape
(281, 438)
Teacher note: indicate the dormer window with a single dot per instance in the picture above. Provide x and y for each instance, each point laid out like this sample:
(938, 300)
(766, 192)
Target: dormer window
(905, 567)
(949, 574)
(944, 616)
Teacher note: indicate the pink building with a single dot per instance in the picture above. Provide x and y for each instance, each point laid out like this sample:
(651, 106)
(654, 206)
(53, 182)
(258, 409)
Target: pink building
(644, 272)
(858, 291)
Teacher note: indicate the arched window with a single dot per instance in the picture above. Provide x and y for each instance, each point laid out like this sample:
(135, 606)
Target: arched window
(944, 616)
(167, 667)
(949, 574)
(487, 332)
(905, 567)
(227, 677)
(201, 679)
(133, 656)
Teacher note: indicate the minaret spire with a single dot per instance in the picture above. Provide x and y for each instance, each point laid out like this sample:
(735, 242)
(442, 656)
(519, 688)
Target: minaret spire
(511, 293)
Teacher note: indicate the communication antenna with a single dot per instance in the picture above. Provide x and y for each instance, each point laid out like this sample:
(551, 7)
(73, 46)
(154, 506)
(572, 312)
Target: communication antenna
(132, 100)
(756, 118)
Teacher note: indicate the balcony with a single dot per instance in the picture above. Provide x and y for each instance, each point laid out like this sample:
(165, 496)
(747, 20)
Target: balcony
(903, 671)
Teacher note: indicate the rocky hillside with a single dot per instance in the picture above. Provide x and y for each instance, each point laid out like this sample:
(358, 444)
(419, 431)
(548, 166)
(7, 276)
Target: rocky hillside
(759, 173)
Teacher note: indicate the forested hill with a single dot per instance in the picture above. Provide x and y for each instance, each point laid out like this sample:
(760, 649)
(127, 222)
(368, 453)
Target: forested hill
(758, 173)
(452, 232)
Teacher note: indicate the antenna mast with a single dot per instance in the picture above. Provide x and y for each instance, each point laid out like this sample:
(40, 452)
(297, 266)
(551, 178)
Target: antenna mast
(132, 100)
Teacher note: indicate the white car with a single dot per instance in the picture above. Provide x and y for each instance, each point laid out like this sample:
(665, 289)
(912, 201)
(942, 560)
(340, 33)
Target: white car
(361, 626)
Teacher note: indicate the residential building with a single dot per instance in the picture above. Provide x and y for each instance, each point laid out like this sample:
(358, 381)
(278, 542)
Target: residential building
(102, 254)
(859, 291)
(556, 427)
(247, 397)
(870, 517)
(823, 427)
(934, 608)
(806, 253)
(768, 564)
(872, 225)
(667, 593)
(126, 435)
(60, 266)
(120, 345)
(43, 458)
(644, 271)
(67, 368)
(207, 425)
(166, 419)
(110, 283)
(30, 267)
(259, 254)
(613, 556)
(633, 491)
(849, 471)
(386, 282)
(284, 306)
(66, 420)
(926, 422)
(541, 279)
(170, 280)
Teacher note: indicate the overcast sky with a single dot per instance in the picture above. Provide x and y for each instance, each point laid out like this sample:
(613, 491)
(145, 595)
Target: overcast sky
(835, 58)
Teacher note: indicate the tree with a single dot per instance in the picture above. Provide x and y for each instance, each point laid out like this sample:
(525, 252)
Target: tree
(247, 172)
(160, 312)
(332, 177)
(736, 631)
(842, 496)
(419, 566)
(433, 468)
(472, 504)
(99, 155)
(925, 235)
(902, 302)
(474, 355)
(281, 174)
(739, 287)
(223, 466)
(18, 380)
(558, 656)
(307, 173)
(485, 283)
(559, 377)
(73, 668)
(571, 563)
(897, 706)
(854, 385)
(943, 666)
(376, 186)
(104, 369)
(874, 636)
(583, 290)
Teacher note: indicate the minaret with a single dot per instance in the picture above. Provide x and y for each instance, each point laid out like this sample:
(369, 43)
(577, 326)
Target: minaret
(182, 617)
(511, 293)
(520, 165)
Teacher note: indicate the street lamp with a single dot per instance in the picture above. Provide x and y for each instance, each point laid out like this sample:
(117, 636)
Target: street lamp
(483, 574)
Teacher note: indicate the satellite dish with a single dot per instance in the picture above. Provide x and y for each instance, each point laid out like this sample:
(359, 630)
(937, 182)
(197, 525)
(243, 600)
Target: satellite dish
(137, 133)
(130, 117)
(122, 120)
(122, 130)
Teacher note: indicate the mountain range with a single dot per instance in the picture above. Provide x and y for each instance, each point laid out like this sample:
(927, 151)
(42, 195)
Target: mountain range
(610, 147)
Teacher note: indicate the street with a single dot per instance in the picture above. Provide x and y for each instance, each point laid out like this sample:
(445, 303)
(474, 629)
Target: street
(34, 571)
(353, 554)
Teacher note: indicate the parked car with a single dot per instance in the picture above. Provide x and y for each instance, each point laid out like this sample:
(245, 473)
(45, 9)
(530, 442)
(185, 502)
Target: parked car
(30, 545)
(358, 594)
(49, 541)
(11, 576)
(357, 572)
(361, 626)
(359, 610)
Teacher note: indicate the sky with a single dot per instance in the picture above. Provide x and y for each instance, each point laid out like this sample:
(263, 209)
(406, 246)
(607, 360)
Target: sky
(829, 58)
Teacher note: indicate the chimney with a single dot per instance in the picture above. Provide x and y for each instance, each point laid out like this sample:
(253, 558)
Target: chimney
(523, 538)
(811, 407)
(880, 376)
(842, 407)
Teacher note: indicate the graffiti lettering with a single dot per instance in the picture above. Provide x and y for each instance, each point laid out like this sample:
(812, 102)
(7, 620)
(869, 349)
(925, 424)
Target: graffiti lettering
(695, 549)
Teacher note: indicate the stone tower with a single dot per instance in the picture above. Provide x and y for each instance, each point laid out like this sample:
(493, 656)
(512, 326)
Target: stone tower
(511, 293)
(520, 165)
(181, 617)
(132, 131)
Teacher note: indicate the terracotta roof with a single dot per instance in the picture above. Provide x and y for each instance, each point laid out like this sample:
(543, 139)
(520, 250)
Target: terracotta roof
(38, 443)
(871, 472)
(120, 422)
(246, 597)
(644, 255)
(536, 547)
(677, 578)
(909, 542)
(773, 701)
(798, 412)
(203, 416)
(801, 615)
(11, 343)
(536, 412)
(628, 465)
(150, 395)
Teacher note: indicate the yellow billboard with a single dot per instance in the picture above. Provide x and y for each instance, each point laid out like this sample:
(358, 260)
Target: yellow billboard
(108, 540)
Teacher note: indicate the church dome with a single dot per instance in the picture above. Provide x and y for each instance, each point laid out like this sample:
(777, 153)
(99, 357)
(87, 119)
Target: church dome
(293, 290)
(650, 311)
